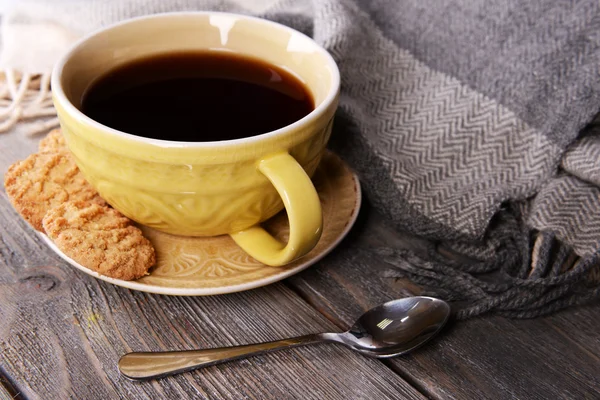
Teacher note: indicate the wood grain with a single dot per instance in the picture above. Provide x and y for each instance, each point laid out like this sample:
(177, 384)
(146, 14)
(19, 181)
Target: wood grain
(62, 332)
(484, 358)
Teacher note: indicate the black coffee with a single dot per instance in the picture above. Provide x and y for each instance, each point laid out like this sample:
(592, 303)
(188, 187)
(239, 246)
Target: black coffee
(197, 97)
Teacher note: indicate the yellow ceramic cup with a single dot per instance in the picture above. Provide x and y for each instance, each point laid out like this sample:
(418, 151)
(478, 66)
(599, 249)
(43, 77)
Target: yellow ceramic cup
(205, 188)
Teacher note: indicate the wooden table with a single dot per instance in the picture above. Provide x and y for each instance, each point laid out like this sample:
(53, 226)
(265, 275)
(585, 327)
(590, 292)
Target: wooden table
(62, 331)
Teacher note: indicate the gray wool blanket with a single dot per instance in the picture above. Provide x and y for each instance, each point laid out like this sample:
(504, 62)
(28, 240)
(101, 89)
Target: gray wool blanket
(469, 122)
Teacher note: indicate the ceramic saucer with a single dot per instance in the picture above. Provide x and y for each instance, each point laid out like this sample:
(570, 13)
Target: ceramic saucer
(188, 266)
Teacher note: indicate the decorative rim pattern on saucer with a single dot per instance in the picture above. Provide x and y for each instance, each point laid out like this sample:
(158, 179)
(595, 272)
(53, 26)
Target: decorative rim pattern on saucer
(189, 266)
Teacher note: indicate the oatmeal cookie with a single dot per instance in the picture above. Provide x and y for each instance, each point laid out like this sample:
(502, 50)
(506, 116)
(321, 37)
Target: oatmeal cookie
(54, 142)
(43, 181)
(101, 239)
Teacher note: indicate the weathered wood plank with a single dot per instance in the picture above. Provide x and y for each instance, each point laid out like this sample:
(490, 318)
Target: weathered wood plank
(485, 358)
(7, 391)
(62, 332)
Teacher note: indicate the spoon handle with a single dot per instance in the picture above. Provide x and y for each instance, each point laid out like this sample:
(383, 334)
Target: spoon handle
(149, 365)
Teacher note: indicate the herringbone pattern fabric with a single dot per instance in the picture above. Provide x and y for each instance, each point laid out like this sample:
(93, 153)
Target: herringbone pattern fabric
(583, 159)
(532, 56)
(571, 208)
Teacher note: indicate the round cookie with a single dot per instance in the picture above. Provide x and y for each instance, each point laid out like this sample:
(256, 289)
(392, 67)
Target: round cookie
(54, 142)
(101, 239)
(43, 181)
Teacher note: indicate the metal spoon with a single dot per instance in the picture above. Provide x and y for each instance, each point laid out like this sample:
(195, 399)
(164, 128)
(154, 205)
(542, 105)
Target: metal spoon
(388, 330)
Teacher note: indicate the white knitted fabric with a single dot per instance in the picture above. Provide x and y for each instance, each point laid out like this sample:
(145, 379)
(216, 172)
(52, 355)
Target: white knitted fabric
(36, 32)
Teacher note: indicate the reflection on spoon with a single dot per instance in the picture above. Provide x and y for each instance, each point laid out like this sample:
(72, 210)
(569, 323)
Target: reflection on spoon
(388, 330)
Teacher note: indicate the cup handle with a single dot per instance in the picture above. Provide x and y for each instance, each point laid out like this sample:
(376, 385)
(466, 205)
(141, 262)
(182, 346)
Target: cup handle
(303, 209)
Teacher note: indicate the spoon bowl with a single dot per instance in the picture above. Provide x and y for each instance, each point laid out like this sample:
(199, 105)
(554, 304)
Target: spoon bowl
(388, 330)
(397, 327)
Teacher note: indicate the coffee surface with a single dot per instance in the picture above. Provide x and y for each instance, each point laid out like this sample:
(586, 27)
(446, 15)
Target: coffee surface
(197, 97)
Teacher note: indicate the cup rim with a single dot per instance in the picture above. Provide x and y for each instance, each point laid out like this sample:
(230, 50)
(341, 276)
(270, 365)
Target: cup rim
(60, 96)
